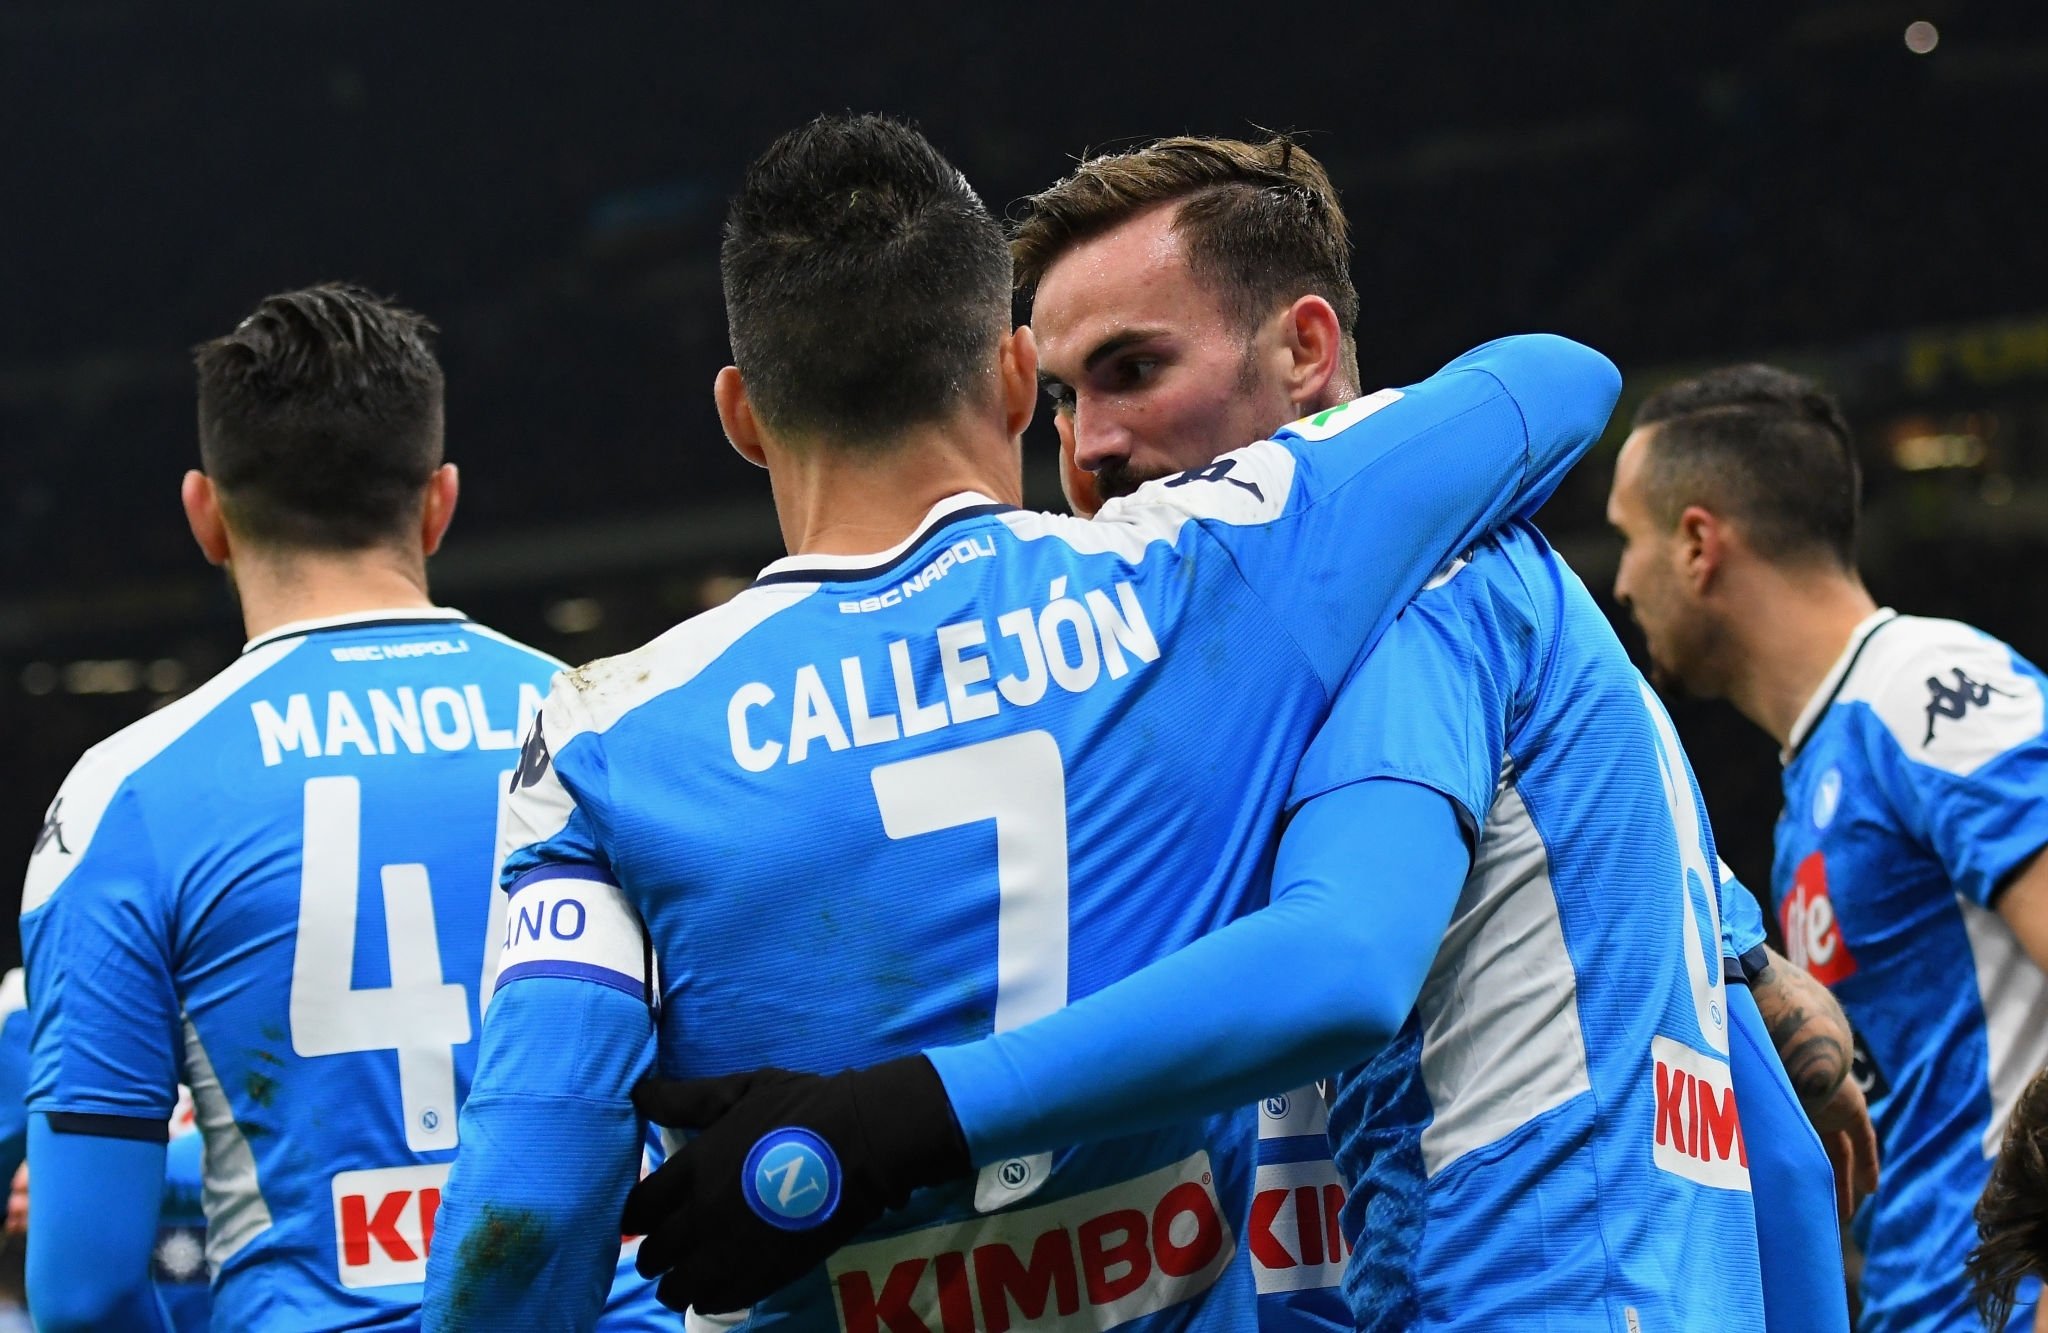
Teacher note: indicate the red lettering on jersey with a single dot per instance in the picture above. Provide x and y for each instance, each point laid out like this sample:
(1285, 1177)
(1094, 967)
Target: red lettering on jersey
(359, 1227)
(1813, 937)
(864, 1313)
(1097, 1258)
(1048, 1277)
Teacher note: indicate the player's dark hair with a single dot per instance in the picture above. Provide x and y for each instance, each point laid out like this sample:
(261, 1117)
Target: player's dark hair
(1259, 220)
(866, 284)
(320, 419)
(2012, 1215)
(1763, 446)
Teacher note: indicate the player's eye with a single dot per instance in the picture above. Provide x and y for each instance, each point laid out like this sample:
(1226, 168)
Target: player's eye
(1131, 372)
(1062, 395)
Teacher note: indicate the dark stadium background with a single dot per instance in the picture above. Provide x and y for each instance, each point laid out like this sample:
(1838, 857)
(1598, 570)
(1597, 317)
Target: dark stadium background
(1678, 185)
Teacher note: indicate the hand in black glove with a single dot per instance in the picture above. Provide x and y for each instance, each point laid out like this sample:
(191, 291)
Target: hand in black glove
(786, 1169)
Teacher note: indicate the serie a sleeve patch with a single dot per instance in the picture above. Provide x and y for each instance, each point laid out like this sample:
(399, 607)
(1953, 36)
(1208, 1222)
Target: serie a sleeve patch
(571, 922)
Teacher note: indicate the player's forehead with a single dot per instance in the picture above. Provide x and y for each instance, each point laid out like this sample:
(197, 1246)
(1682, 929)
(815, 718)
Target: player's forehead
(1625, 495)
(1133, 276)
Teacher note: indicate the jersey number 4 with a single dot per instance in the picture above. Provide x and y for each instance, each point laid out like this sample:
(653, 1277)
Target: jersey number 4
(420, 1016)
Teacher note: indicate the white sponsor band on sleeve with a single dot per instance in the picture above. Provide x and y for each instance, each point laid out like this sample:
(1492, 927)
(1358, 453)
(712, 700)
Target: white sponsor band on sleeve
(571, 922)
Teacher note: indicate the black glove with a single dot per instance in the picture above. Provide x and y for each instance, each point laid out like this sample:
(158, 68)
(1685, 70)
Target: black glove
(786, 1169)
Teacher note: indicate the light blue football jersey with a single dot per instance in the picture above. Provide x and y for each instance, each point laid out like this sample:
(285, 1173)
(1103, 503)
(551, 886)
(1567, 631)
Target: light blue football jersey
(879, 804)
(1916, 784)
(278, 891)
(1551, 1141)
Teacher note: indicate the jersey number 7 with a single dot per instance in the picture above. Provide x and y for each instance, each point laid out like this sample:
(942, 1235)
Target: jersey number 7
(1020, 783)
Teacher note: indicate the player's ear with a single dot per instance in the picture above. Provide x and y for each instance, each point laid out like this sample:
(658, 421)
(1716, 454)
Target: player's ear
(1018, 366)
(439, 508)
(202, 514)
(1702, 546)
(736, 414)
(1313, 338)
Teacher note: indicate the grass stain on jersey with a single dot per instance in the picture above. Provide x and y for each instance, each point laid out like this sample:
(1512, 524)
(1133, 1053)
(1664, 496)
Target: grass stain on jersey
(505, 1238)
(262, 1088)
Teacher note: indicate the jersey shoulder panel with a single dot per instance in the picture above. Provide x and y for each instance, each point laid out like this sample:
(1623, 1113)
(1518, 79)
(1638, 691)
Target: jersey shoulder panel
(101, 773)
(1950, 696)
(594, 697)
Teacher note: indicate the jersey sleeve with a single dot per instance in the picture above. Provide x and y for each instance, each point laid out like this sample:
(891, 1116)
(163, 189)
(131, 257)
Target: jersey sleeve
(1433, 702)
(1145, 1050)
(1963, 757)
(1742, 917)
(96, 933)
(1343, 516)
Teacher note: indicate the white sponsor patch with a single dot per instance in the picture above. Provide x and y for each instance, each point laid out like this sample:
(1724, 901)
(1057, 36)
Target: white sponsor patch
(384, 1222)
(1293, 1234)
(1289, 1115)
(559, 924)
(1086, 1263)
(1698, 1134)
(1342, 417)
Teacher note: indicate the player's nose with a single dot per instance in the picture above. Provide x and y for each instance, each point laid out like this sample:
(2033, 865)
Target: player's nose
(1097, 438)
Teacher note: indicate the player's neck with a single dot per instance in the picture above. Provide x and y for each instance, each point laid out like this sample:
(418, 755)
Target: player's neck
(1794, 631)
(833, 501)
(279, 590)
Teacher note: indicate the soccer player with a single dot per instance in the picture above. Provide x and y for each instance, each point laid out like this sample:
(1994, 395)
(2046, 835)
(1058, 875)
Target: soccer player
(907, 787)
(277, 889)
(1906, 871)
(1162, 274)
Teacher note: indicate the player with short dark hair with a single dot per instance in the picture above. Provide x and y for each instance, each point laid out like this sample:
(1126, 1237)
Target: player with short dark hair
(1907, 872)
(904, 790)
(1469, 1108)
(276, 889)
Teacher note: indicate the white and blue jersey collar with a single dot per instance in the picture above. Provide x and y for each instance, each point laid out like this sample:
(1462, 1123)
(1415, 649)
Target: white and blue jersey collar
(1831, 684)
(355, 620)
(953, 509)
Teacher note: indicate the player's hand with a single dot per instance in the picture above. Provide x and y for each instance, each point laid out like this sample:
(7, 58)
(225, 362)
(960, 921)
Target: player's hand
(17, 1203)
(785, 1169)
(1851, 1140)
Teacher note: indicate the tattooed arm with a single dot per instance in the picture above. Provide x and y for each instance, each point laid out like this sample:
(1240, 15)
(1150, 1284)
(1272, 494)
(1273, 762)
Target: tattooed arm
(1812, 1035)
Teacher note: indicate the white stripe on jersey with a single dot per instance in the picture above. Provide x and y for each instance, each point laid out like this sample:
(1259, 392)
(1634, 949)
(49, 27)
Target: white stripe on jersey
(1501, 1042)
(2014, 992)
(235, 1211)
(96, 780)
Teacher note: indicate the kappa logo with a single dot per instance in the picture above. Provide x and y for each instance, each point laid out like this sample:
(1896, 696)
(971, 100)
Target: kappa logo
(792, 1179)
(1955, 701)
(1217, 471)
(533, 759)
(52, 834)
(1813, 937)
